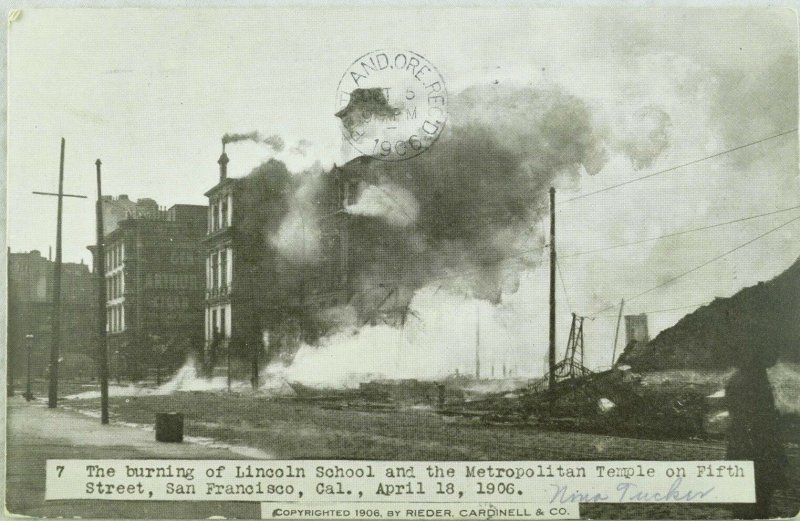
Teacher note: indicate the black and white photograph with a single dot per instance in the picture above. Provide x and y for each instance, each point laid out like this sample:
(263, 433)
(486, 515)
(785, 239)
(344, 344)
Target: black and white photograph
(416, 262)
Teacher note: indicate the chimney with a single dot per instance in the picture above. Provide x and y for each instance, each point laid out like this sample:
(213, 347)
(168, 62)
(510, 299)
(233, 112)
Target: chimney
(223, 165)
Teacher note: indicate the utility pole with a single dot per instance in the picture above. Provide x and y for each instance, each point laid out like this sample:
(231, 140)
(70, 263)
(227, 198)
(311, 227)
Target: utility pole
(100, 271)
(254, 378)
(477, 342)
(28, 393)
(551, 356)
(616, 334)
(11, 353)
(52, 395)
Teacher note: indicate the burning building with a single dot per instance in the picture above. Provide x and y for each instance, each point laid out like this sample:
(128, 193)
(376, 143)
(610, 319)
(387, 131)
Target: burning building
(300, 255)
(274, 263)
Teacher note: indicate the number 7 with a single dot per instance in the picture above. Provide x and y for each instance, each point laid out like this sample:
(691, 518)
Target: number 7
(60, 469)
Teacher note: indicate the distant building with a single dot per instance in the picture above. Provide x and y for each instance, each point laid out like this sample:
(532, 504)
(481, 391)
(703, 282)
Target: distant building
(30, 306)
(636, 329)
(121, 208)
(154, 287)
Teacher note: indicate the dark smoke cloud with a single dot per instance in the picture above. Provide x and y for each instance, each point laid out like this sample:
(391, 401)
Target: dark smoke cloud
(275, 142)
(479, 192)
(468, 208)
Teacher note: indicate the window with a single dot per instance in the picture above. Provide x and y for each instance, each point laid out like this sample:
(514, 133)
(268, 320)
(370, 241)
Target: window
(224, 218)
(214, 271)
(223, 256)
(214, 324)
(222, 322)
(213, 217)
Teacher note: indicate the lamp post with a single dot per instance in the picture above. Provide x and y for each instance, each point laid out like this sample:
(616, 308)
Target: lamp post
(28, 393)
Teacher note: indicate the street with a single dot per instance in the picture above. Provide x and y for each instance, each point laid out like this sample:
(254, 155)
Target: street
(287, 428)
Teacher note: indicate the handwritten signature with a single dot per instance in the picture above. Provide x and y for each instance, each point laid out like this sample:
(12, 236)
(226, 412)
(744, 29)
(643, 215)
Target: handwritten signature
(631, 493)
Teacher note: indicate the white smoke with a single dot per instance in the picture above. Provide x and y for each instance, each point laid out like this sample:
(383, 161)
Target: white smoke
(392, 203)
(441, 344)
(643, 135)
(298, 237)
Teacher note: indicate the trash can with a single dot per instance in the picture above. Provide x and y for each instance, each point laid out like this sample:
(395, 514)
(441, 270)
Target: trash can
(169, 427)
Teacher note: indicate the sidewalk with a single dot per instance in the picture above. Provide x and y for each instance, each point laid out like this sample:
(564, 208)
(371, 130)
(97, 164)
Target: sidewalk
(36, 434)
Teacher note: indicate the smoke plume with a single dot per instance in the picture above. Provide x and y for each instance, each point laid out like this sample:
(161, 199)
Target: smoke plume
(463, 217)
(275, 142)
(396, 205)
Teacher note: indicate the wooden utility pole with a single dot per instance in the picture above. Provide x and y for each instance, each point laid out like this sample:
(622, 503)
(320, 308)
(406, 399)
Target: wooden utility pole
(52, 395)
(100, 271)
(11, 354)
(616, 334)
(551, 356)
(477, 342)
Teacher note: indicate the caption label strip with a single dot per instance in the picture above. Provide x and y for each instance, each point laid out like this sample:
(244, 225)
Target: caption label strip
(419, 510)
(295, 489)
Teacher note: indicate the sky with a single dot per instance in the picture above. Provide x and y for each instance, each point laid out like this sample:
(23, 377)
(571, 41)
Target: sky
(151, 92)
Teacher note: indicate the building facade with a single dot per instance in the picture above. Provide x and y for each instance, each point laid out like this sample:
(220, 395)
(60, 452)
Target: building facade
(636, 329)
(154, 289)
(30, 305)
(219, 262)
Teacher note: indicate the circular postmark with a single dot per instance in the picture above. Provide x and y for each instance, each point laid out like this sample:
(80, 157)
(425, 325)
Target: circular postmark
(392, 105)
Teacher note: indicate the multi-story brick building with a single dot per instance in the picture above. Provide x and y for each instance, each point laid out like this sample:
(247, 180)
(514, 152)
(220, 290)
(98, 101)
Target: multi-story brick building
(30, 305)
(154, 288)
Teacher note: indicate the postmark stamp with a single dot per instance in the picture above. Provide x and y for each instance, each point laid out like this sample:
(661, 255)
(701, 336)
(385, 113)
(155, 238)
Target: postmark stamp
(392, 104)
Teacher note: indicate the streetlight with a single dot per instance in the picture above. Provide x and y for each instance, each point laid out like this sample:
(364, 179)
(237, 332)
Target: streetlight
(28, 394)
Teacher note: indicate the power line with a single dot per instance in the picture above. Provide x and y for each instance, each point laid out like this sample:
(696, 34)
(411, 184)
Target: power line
(674, 234)
(522, 253)
(706, 263)
(648, 176)
(651, 312)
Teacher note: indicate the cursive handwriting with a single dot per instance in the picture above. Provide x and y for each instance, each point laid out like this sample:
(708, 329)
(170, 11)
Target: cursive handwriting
(629, 492)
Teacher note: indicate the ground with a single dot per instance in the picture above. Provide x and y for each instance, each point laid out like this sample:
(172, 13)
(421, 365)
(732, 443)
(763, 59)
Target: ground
(288, 428)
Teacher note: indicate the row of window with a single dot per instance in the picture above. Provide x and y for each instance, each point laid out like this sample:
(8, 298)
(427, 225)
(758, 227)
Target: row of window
(115, 318)
(115, 286)
(219, 214)
(115, 255)
(219, 269)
